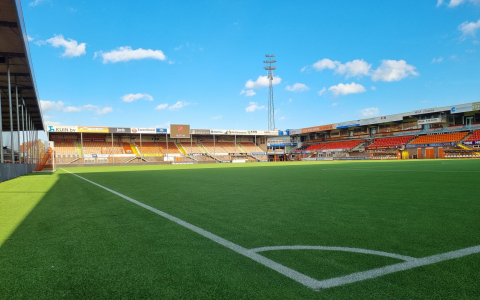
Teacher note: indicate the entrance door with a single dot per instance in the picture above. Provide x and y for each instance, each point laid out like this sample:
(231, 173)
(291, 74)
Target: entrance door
(419, 153)
(468, 121)
(429, 153)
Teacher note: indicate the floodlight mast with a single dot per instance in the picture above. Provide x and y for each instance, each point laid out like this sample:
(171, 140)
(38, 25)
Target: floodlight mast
(271, 108)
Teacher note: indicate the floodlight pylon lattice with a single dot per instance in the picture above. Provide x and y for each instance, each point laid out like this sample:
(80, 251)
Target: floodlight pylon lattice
(271, 107)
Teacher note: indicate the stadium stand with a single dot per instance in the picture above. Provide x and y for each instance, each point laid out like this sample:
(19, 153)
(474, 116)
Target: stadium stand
(229, 147)
(439, 138)
(148, 148)
(302, 148)
(391, 142)
(474, 137)
(211, 149)
(101, 148)
(64, 148)
(192, 148)
(315, 147)
(251, 147)
(172, 148)
(341, 146)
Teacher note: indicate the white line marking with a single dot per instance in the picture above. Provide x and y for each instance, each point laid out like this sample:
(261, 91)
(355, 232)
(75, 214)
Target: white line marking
(292, 274)
(379, 170)
(299, 277)
(329, 283)
(345, 249)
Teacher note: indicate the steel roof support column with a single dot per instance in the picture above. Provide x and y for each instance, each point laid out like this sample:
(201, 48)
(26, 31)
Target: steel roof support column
(23, 132)
(18, 119)
(1, 129)
(10, 109)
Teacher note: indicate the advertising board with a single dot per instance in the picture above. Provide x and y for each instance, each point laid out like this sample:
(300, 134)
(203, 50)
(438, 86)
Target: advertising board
(461, 108)
(243, 132)
(476, 106)
(179, 131)
(200, 131)
(144, 130)
(62, 128)
(432, 121)
(318, 128)
(92, 129)
(119, 130)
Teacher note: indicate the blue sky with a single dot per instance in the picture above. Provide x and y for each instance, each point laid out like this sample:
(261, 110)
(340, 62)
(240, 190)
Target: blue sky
(151, 63)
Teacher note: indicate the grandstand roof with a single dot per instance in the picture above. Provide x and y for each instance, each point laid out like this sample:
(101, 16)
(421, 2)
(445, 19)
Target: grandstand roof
(452, 109)
(14, 45)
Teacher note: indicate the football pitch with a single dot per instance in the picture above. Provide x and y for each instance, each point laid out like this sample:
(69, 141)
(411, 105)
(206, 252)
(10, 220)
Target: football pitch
(292, 230)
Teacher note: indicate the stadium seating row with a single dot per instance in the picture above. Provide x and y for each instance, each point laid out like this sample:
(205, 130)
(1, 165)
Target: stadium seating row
(439, 138)
(391, 142)
(474, 137)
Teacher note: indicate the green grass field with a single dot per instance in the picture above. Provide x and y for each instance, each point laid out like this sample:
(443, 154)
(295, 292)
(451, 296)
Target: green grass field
(64, 237)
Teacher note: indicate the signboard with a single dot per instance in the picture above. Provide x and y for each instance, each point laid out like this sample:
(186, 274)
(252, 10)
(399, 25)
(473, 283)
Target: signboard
(472, 143)
(476, 106)
(424, 111)
(242, 132)
(381, 147)
(281, 144)
(119, 130)
(318, 128)
(352, 158)
(432, 121)
(161, 130)
(92, 129)
(295, 131)
(179, 131)
(348, 124)
(62, 129)
(200, 131)
(431, 145)
(144, 130)
(461, 108)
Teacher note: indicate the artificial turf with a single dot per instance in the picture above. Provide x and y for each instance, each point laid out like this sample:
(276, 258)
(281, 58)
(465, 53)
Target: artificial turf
(62, 237)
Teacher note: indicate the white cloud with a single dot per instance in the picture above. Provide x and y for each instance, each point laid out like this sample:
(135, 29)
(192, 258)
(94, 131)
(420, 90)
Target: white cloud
(370, 112)
(303, 69)
(357, 67)
(253, 107)
(248, 93)
(469, 28)
(389, 70)
(297, 87)
(393, 70)
(322, 91)
(373, 88)
(133, 97)
(476, 42)
(281, 118)
(345, 89)
(454, 57)
(178, 105)
(51, 105)
(104, 110)
(89, 107)
(161, 106)
(73, 109)
(29, 38)
(217, 118)
(261, 81)
(454, 3)
(334, 104)
(325, 64)
(437, 60)
(290, 100)
(127, 53)
(35, 3)
(72, 47)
